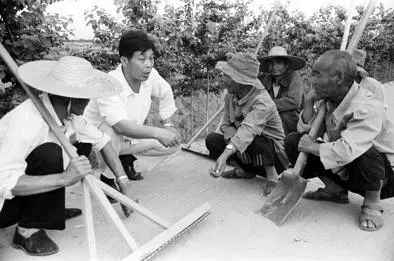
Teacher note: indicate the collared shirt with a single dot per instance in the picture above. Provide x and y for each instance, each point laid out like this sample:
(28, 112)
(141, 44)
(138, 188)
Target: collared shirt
(375, 87)
(129, 105)
(23, 129)
(289, 93)
(369, 126)
(255, 114)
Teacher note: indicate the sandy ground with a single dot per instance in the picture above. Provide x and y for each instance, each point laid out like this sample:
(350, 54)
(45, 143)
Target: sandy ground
(173, 187)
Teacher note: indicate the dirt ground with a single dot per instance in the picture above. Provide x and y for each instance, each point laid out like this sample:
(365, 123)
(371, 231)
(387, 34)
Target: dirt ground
(176, 185)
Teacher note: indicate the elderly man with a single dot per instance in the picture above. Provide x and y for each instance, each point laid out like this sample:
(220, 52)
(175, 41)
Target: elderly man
(122, 116)
(252, 130)
(34, 170)
(358, 149)
(284, 84)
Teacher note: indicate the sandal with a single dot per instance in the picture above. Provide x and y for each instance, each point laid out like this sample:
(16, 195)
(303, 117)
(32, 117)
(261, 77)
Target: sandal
(322, 194)
(133, 175)
(372, 213)
(237, 173)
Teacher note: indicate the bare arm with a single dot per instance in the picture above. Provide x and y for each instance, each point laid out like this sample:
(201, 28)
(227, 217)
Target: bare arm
(30, 185)
(133, 130)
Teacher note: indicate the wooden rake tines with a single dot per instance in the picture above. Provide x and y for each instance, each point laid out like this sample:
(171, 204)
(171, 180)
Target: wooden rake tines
(93, 186)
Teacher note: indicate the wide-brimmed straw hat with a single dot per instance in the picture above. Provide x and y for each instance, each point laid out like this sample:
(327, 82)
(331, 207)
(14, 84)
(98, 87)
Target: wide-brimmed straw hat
(243, 68)
(359, 57)
(71, 76)
(294, 63)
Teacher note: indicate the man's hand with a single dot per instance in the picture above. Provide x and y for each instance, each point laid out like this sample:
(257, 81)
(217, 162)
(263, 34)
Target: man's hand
(178, 134)
(167, 138)
(76, 170)
(219, 166)
(305, 143)
(124, 187)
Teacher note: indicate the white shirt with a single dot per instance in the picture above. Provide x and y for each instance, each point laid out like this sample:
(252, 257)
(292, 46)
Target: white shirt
(370, 126)
(129, 105)
(23, 129)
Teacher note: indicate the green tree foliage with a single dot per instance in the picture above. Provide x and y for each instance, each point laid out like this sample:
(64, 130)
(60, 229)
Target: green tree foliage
(192, 37)
(28, 34)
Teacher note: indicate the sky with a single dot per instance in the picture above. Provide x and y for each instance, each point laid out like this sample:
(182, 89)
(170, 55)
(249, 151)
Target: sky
(76, 8)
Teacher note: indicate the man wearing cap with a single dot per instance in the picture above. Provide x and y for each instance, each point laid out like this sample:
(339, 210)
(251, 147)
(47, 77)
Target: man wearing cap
(252, 131)
(360, 157)
(122, 116)
(34, 169)
(284, 84)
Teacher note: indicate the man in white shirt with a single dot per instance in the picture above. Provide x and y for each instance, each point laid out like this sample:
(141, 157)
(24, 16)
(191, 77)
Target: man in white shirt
(122, 116)
(34, 169)
(358, 149)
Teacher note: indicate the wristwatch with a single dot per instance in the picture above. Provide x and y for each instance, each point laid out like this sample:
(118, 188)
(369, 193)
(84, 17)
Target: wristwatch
(168, 124)
(231, 147)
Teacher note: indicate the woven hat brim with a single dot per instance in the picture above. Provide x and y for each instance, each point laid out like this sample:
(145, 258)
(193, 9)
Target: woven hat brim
(98, 85)
(237, 77)
(295, 63)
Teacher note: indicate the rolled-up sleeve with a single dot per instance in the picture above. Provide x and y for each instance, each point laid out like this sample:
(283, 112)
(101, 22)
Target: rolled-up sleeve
(253, 124)
(17, 142)
(161, 89)
(87, 133)
(111, 109)
(355, 140)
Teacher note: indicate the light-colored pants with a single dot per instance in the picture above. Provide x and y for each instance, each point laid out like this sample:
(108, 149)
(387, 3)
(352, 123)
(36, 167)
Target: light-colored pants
(124, 146)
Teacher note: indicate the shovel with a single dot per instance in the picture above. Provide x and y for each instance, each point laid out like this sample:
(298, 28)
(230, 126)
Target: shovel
(287, 193)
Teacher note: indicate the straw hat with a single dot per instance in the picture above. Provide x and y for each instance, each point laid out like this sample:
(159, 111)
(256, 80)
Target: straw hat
(295, 63)
(359, 57)
(243, 68)
(71, 76)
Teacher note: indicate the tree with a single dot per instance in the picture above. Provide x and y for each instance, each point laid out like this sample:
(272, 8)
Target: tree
(28, 34)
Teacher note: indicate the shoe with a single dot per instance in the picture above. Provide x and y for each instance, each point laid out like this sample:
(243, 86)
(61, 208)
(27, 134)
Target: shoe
(112, 184)
(38, 244)
(71, 213)
(128, 166)
(322, 194)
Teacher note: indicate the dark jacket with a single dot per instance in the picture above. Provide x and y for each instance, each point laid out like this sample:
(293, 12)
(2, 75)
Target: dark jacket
(289, 97)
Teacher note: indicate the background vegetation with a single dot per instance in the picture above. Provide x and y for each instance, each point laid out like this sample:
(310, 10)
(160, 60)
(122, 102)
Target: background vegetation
(190, 38)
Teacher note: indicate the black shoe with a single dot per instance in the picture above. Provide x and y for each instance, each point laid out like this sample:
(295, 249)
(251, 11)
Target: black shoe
(38, 244)
(72, 212)
(112, 184)
(128, 166)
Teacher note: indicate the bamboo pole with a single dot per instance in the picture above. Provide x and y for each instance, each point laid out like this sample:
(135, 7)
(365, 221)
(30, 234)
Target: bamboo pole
(361, 26)
(347, 25)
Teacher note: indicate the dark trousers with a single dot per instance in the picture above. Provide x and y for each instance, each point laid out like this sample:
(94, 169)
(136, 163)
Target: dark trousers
(261, 145)
(289, 121)
(365, 172)
(43, 210)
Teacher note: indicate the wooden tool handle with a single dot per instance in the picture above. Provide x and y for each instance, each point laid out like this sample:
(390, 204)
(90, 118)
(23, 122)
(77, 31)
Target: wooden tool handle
(315, 126)
(360, 28)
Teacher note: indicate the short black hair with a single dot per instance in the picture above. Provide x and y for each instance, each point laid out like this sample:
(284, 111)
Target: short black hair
(132, 41)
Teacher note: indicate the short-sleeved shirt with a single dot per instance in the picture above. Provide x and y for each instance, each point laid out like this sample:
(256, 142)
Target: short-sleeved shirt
(129, 105)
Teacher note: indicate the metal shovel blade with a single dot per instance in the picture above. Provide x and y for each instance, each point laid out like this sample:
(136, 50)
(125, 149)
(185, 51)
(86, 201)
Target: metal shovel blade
(283, 199)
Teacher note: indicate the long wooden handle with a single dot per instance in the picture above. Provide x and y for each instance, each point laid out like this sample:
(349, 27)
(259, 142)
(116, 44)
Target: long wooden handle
(264, 34)
(315, 126)
(361, 26)
(347, 26)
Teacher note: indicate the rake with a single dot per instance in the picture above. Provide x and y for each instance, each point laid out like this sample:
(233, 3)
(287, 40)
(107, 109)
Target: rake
(92, 185)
